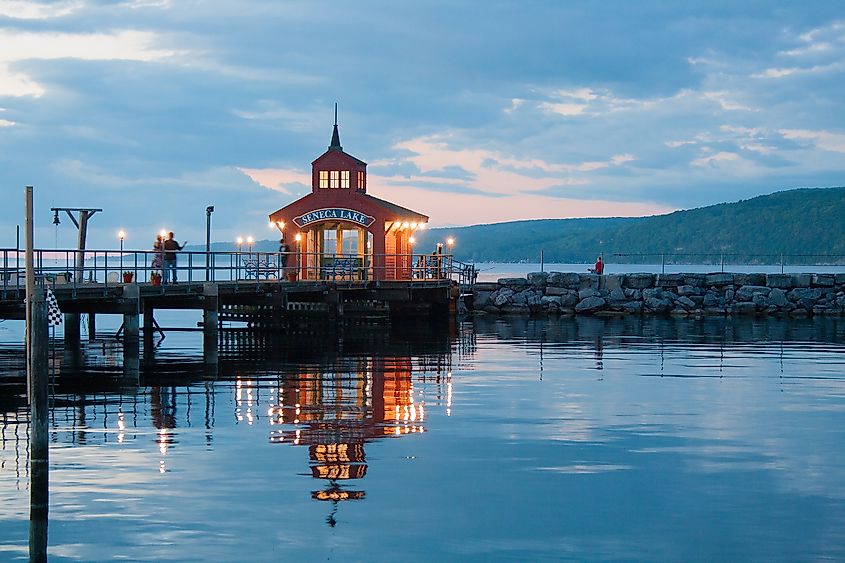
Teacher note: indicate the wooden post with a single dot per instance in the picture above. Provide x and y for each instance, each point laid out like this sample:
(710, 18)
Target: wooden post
(92, 326)
(79, 257)
(39, 427)
(149, 321)
(210, 330)
(37, 373)
(72, 332)
(30, 283)
(132, 311)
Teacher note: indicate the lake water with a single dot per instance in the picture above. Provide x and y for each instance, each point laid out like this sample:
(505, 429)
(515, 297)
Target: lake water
(559, 439)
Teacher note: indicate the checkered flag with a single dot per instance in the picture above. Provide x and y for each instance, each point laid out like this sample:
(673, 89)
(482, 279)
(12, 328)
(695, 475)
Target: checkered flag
(54, 314)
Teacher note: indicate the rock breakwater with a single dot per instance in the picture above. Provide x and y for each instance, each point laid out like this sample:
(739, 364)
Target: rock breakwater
(721, 293)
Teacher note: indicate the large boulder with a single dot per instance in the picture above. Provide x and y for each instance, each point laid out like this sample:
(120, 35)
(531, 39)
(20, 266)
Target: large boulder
(485, 286)
(617, 295)
(802, 280)
(633, 306)
(588, 292)
(689, 290)
(777, 297)
(550, 302)
(755, 279)
(514, 283)
(780, 281)
(588, 280)
(668, 280)
(685, 302)
(823, 280)
(638, 281)
(652, 293)
(570, 299)
(502, 297)
(747, 292)
(612, 281)
(712, 299)
(657, 305)
(569, 280)
(555, 290)
(538, 278)
(799, 293)
(719, 279)
(697, 280)
(590, 305)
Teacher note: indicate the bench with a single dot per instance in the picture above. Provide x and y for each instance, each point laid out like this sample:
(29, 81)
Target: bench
(342, 268)
(256, 269)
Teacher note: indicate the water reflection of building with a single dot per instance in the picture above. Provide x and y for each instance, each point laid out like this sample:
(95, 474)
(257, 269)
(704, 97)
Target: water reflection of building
(335, 411)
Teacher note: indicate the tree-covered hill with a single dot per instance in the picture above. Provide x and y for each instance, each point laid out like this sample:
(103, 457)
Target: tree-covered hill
(794, 222)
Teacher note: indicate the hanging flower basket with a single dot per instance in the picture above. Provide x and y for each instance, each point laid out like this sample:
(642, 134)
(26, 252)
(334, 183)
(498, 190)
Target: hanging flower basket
(155, 278)
(128, 277)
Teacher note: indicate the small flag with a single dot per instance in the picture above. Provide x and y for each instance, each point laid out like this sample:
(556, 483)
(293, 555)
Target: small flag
(54, 314)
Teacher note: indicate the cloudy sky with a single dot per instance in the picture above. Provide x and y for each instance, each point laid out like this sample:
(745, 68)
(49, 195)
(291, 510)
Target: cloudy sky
(471, 112)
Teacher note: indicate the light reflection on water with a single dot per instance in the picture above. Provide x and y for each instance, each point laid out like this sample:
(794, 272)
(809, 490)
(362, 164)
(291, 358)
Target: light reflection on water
(649, 439)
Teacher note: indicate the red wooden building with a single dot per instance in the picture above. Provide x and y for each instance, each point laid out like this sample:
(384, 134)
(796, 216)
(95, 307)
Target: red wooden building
(339, 230)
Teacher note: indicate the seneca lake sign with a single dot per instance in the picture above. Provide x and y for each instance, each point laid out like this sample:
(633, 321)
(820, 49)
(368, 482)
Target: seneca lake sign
(334, 213)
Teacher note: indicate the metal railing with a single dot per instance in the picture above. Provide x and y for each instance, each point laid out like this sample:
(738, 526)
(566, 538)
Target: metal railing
(109, 268)
(728, 259)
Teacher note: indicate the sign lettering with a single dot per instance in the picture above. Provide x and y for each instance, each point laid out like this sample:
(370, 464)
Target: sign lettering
(334, 214)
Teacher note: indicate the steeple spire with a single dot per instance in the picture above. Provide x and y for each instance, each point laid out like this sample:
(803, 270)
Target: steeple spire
(335, 135)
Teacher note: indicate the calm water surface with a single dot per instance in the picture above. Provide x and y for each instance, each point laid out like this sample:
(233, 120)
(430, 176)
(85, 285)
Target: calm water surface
(564, 439)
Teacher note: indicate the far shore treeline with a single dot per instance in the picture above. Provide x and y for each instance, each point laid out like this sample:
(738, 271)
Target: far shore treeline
(807, 223)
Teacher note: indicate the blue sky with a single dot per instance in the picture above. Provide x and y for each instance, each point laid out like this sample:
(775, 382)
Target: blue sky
(470, 112)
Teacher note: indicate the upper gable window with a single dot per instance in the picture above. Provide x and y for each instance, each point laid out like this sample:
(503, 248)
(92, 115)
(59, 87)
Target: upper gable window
(360, 180)
(324, 178)
(344, 179)
(334, 178)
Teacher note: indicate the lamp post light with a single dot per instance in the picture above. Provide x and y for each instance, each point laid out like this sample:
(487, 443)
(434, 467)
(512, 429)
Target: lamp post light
(249, 242)
(121, 235)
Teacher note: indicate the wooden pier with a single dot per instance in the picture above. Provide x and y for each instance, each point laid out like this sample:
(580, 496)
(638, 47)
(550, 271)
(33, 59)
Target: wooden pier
(259, 304)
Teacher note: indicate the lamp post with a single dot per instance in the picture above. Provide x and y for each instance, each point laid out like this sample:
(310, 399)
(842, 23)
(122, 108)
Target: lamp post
(298, 239)
(121, 235)
(208, 211)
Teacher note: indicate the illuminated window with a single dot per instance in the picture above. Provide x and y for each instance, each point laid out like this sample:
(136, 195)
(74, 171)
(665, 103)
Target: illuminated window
(360, 180)
(334, 179)
(344, 179)
(324, 178)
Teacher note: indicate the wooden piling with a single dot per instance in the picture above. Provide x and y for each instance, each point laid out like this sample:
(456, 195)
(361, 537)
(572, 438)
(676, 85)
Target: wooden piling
(72, 332)
(37, 373)
(211, 328)
(39, 427)
(92, 326)
(131, 323)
